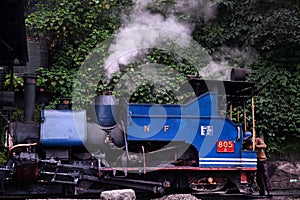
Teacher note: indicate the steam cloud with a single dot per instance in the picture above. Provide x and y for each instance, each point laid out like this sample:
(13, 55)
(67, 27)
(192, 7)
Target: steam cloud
(142, 30)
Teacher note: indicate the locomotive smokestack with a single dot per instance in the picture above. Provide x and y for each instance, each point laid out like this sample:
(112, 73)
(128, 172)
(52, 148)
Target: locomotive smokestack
(239, 74)
(29, 97)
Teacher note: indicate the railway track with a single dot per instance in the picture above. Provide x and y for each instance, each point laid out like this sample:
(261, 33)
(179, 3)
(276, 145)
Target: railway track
(279, 194)
(276, 196)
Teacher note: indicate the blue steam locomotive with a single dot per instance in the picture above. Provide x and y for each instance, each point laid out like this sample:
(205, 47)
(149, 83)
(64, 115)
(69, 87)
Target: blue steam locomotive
(194, 146)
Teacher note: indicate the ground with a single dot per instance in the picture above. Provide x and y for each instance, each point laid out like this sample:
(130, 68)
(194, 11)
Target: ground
(284, 174)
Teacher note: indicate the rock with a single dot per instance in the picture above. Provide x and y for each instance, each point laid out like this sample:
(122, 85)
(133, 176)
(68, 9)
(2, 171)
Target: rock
(124, 194)
(178, 197)
(284, 175)
(291, 168)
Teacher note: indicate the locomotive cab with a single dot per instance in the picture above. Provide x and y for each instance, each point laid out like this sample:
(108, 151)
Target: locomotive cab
(201, 132)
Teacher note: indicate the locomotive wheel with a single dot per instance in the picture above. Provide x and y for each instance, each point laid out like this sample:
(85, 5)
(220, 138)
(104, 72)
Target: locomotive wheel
(207, 184)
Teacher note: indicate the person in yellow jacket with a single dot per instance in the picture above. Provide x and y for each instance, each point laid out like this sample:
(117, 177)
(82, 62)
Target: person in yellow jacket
(262, 176)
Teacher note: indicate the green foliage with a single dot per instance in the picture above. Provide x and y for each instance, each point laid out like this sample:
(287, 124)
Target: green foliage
(277, 105)
(264, 25)
(17, 83)
(57, 81)
(72, 30)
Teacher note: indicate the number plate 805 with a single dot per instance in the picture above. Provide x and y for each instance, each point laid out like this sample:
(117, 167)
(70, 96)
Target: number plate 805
(225, 146)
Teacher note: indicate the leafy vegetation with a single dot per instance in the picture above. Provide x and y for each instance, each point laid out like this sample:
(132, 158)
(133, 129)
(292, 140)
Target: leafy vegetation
(72, 30)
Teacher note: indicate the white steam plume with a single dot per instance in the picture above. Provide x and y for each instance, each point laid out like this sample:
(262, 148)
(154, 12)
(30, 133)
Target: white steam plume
(142, 30)
(141, 33)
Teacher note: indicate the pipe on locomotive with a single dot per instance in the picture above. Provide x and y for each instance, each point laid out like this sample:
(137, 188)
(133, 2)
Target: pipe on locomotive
(29, 97)
(239, 74)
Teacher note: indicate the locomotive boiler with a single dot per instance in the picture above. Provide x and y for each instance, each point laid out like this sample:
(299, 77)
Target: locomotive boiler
(146, 147)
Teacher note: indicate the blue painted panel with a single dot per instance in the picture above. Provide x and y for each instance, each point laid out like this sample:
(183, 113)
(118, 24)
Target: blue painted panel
(224, 130)
(202, 132)
(204, 105)
(63, 128)
(249, 158)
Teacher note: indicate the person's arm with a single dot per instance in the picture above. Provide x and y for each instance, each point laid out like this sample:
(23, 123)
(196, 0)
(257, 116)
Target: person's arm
(260, 144)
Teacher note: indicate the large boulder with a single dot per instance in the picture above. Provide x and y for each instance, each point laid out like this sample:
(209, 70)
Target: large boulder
(123, 194)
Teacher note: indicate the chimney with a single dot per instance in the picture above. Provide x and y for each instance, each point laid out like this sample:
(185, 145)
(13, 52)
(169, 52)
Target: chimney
(29, 97)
